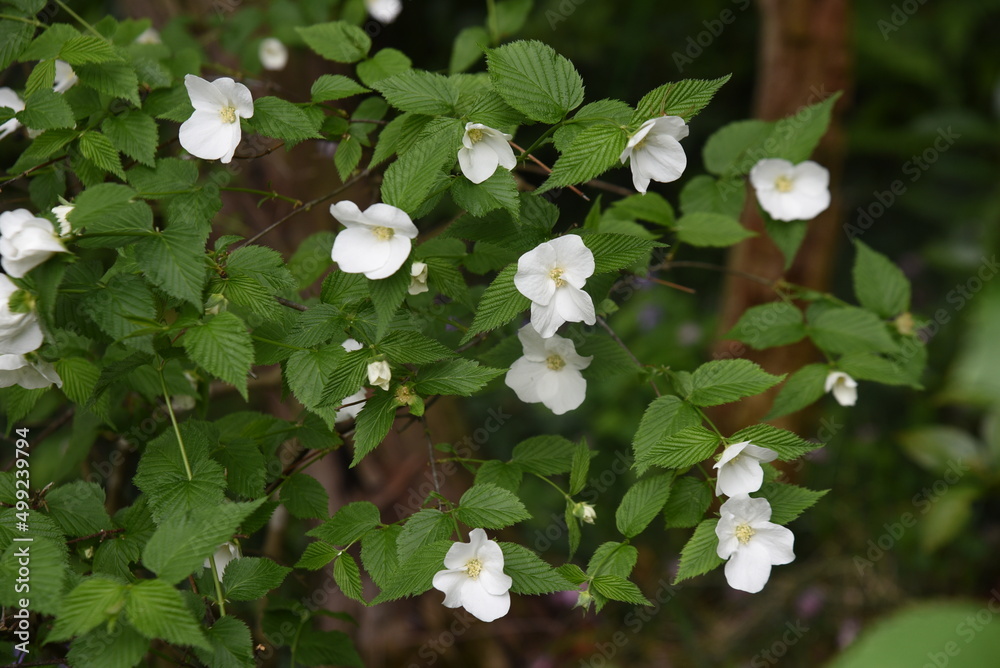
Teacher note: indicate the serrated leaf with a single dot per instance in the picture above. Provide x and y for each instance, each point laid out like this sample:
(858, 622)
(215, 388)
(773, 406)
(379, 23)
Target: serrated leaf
(317, 555)
(683, 449)
(505, 475)
(498, 191)
(500, 303)
(879, 284)
(689, 501)
(415, 574)
(379, 555)
(664, 417)
(618, 589)
(788, 501)
(112, 78)
(788, 445)
(46, 110)
(222, 346)
(85, 49)
(545, 455)
(348, 577)
(347, 157)
(157, 610)
(850, 330)
(425, 527)
(420, 92)
(612, 559)
(535, 80)
(385, 63)
(699, 554)
(337, 41)
(768, 325)
(460, 377)
(250, 578)
(725, 381)
(305, 497)
(801, 389)
(98, 149)
(711, 230)
(418, 172)
(232, 645)
(335, 87)
(274, 117)
(616, 251)
(641, 503)
(490, 507)
(174, 260)
(580, 468)
(683, 98)
(594, 151)
(373, 424)
(468, 48)
(530, 574)
(78, 508)
(405, 347)
(134, 134)
(348, 524)
(92, 602)
(123, 647)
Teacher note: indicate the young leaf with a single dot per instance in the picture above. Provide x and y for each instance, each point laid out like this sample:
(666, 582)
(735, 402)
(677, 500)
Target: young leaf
(490, 507)
(768, 325)
(641, 503)
(348, 577)
(250, 578)
(802, 388)
(348, 524)
(711, 230)
(157, 610)
(530, 574)
(879, 284)
(580, 468)
(689, 501)
(725, 381)
(222, 346)
(535, 80)
(699, 554)
(684, 98)
(305, 497)
(618, 589)
(337, 41)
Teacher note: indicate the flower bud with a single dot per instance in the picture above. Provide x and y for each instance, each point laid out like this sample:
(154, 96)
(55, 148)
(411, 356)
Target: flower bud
(585, 512)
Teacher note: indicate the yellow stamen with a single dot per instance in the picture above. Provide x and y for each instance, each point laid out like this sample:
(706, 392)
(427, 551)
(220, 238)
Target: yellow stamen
(783, 184)
(228, 114)
(474, 567)
(555, 362)
(744, 532)
(383, 233)
(556, 275)
(476, 135)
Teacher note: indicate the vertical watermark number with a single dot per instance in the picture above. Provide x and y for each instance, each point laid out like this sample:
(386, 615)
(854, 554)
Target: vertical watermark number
(22, 552)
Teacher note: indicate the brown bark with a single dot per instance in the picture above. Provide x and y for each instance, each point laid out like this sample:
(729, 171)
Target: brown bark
(804, 55)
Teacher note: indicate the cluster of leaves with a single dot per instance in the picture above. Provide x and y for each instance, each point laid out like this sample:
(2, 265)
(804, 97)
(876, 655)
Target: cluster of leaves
(143, 313)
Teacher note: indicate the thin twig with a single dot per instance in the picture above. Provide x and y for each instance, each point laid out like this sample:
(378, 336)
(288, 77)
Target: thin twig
(547, 169)
(260, 155)
(724, 270)
(102, 534)
(675, 286)
(617, 339)
(290, 304)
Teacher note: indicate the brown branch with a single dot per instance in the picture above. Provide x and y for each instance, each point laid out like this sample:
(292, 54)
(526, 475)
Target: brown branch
(102, 534)
(291, 304)
(547, 169)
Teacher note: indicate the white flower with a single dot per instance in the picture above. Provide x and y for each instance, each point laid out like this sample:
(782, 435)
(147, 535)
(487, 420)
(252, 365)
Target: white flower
(356, 400)
(585, 512)
(549, 372)
(26, 241)
(213, 130)
(418, 278)
(29, 374)
(273, 54)
(474, 578)
(845, 388)
(385, 11)
(11, 100)
(552, 276)
(791, 192)
(740, 470)
(483, 148)
(65, 77)
(751, 543)
(656, 151)
(379, 374)
(149, 36)
(19, 332)
(223, 555)
(61, 212)
(376, 241)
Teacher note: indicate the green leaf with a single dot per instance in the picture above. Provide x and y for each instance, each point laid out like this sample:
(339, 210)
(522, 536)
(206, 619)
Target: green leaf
(649, 206)
(85, 49)
(725, 381)
(222, 346)
(411, 180)
(683, 449)
(373, 424)
(641, 503)
(801, 389)
(387, 296)
(232, 645)
(545, 455)
(711, 229)
(79, 378)
(683, 98)
(404, 347)
(306, 370)
(326, 648)
(618, 589)
(612, 559)
(850, 330)
(415, 574)
(250, 578)
(14, 37)
(385, 63)
(787, 444)
(703, 194)
(115, 79)
(174, 260)
(788, 501)
(502, 474)
(531, 575)
(795, 138)
(134, 134)
(460, 377)
(420, 92)
(123, 647)
(616, 251)
(305, 497)
(594, 151)
(91, 603)
(468, 48)
(498, 191)
(347, 157)
(348, 524)
(379, 555)
(46, 110)
(787, 236)
(699, 554)
(664, 417)
(580, 468)
(183, 541)
(98, 149)
(425, 527)
(733, 149)
(535, 80)
(879, 284)
(490, 507)
(48, 577)
(398, 136)
(337, 41)
(348, 577)
(78, 508)
(157, 610)
(274, 117)
(121, 308)
(768, 325)
(335, 87)
(500, 303)
(689, 501)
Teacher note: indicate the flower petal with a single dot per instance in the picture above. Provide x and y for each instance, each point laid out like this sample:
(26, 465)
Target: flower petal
(497, 143)
(204, 95)
(523, 377)
(533, 345)
(204, 135)
(779, 542)
(451, 583)
(766, 172)
(574, 258)
(237, 95)
(399, 249)
(386, 215)
(495, 582)
(545, 319)
(533, 277)
(235, 134)
(459, 555)
(571, 390)
(749, 568)
(348, 214)
(357, 251)
(575, 305)
(481, 604)
(670, 126)
(661, 159)
(478, 163)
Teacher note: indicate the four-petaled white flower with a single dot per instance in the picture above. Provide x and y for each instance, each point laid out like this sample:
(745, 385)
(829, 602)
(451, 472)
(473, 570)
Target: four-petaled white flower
(483, 149)
(223, 555)
(751, 543)
(353, 404)
(26, 241)
(12, 101)
(474, 578)
(19, 332)
(376, 242)
(740, 470)
(418, 278)
(385, 11)
(791, 192)
(379, 374)
(585, 512)
(213, 130)
(552, 276)
(844, 388)
(549, 372)
(273, 54)
(33, 374)
(65, 77)
(656, 151)
(61, 212)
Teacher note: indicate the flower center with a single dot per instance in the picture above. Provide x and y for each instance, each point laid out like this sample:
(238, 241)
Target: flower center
(556, 275)
(383, 233)
(476, 135)
(555, 362)
(474, 568)
(783, 184)
(744, 532)
(228, 114)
